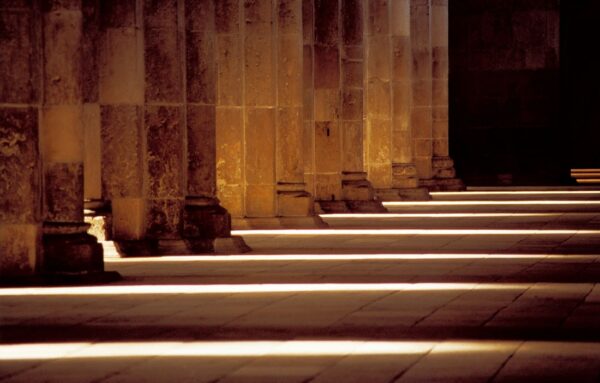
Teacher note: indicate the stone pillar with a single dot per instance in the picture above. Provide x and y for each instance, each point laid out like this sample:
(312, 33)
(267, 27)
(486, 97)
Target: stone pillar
(204, 219)
(421, 108)
(308, 91)
(340, 181)
(294, 203)
(67, 246)
(20, 173)
(442, 165)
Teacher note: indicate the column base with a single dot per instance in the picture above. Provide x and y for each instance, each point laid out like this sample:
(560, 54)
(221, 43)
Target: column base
(350, 206)
(231, 245)
(310, 222)
(69, 249)
(444, 175)
(397, 194)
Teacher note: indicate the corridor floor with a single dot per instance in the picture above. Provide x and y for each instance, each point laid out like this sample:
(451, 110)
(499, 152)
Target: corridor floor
(479, 286)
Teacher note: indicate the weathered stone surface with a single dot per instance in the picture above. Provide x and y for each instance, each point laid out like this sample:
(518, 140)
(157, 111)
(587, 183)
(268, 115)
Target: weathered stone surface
(229, 67)
(63, 192)
(289, 16)
(19, 165)
(259, 89)
(260, 201)
(328, 187)
(352, 31)
(60, 5)
(308, 21)
(201, 68)
(352, 104)
(164, 218)
(352, 73)
(20, 49)
(378, 64)
(163, 67)
(378, 98)
(61, 133)
(121, 67)
(229, 139)
(117, 13)
(160, 13)
(402, 103)
(294, 204)
(378, 21)
(401, 58)
(289, 144)
(62, 57)
(129, 218)
(379, 152)
(400, 17)
(327, 67)
(90, 50)
(76, 252)
(308, 146)
(121, 151)
(201, 122)
(307, 81)
(200, 16)
(352, 136)
(164, 151)
(19, 248)
(258, 15)
(327, 147)
(232, 198)
(227, 16)
(92, 143)
(327, 104)
(260, 146)
(289, 71)
(326, 22)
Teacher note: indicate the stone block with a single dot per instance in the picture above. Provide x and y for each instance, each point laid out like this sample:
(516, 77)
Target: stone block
(63, 192)
(258, 15)
(232, 198)
(440, 125)
(259, 70)
(227, 16)
(19, 50)
(352, 143)
(19, 248)
(229, 146)
(201, 69)
(439, 94)
(165, 218)
(421, 63)
(121, 68)
(327, 147)
(378, 57)
(328, 187)
(439, 25)
(440, 147)
(352, 72)
(260, 146)
(352, 104)
(378, 99)
(200, 16)
(72, 252)
(308, 22)
(129, 218)
(307, 82)
(201, 150)
(205, 221)
(439, 58)
(164, 141)
(92, 149)
(378, 20)
(357, 190)
(90, 49)
(61, 133)
(229, 70)
(419, 24)
(400, 17)
(326, 67)
(402, 99)
(422, 92)
(289, 71)
(290, 135)
(379, 142)
(423, 147)
(294, 204)
(421, 122)
(326, 16)
(289, 13)
(121, 130)
(401, 58)
(160, 14)
(352, 26)
(327, 104)
(353, 52)
(260, 201)
(62, 57)
(423, 165)
(162, 65)
(117, 13)
(19, 165)
(402, 146)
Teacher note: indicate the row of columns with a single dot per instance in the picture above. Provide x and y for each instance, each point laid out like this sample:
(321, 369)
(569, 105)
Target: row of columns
(151, 109)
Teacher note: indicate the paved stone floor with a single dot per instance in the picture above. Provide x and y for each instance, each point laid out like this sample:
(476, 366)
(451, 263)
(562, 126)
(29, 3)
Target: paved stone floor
(475, 287)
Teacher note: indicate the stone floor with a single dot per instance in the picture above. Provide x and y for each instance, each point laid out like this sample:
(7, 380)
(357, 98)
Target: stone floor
(476, 287)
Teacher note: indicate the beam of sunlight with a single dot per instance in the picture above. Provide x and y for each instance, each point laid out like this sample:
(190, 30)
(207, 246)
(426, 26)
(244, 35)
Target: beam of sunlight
(336, 257)
(514, 192)
(436, 215)
(491, 203)
(273, 348)
(248, 288)
(359, 232)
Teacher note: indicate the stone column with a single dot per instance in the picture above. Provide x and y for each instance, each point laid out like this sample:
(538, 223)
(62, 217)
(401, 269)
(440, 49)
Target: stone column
(294, 203)
(67, 246)
(421, 108)
(20, 171)
(204, 220)
(340, 180)
(121, 95)
(442, 165)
